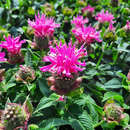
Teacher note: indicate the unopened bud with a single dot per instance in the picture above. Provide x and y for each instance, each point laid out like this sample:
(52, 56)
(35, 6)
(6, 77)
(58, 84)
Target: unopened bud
(25, 74)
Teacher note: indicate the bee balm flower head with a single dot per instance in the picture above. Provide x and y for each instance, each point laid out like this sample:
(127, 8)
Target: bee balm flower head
(79, 21)
(43, 29)
(64, 60)
(88, 8)
(43, 26)
(13, 46)
(103, 17)
(86, 34)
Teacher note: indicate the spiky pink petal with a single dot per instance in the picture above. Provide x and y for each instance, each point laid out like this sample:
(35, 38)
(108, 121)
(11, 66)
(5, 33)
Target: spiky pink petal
(64, 60)
(86, 34)
(2, 57)
(12, 45)
(79, 21)
(103, 17)
(43, 26)
(88, 8)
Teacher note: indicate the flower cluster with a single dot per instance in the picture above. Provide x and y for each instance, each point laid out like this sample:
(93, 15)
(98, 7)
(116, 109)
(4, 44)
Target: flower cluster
(79, 21)
(12, 45)
(86, 34)
(43, 26)
(103, 17)
(88, 8)
(64, 60)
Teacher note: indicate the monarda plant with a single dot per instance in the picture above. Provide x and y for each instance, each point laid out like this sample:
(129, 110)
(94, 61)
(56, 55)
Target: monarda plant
(64, 66)
(13, 47)
(43, 30)
(88, 11)
(104, 17)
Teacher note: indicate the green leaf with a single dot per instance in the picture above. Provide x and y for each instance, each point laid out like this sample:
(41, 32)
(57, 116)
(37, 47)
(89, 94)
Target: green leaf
(86, 121)
(114, 83)
(28, 59)
(53, 123)
(31, 86)
(113, 96)
(124, 122)
(93, 113)
(32, 127)
(45, 103)
(76, 125)
(8, 4)
(9, 85)
(44, 87)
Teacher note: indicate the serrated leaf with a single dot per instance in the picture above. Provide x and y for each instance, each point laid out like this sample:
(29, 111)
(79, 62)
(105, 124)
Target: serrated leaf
(114, 83)
(45, 103)
(86, 121)
(76, 125)
(53, 123)
(93, 113)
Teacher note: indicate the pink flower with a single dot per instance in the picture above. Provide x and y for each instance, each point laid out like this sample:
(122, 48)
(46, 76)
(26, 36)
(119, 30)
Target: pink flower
(88, 8)
(13, 45)
(128, 25)
(61, 98)
(103, 17)
(79, 21)
(64, 60)
(43, 26)
(111, 27)
(86, 34)
(2, 55)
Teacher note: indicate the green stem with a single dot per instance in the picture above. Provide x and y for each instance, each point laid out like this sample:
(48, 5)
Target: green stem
(98, 124)
(102, 54)
(115, 59)
(99, 60)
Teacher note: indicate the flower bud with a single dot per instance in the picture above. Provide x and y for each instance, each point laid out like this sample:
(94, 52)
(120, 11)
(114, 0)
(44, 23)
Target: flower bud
(13, 116)
(67, 11)
(81, 3)
(48, 9)
(113, 112)
(25, 74)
